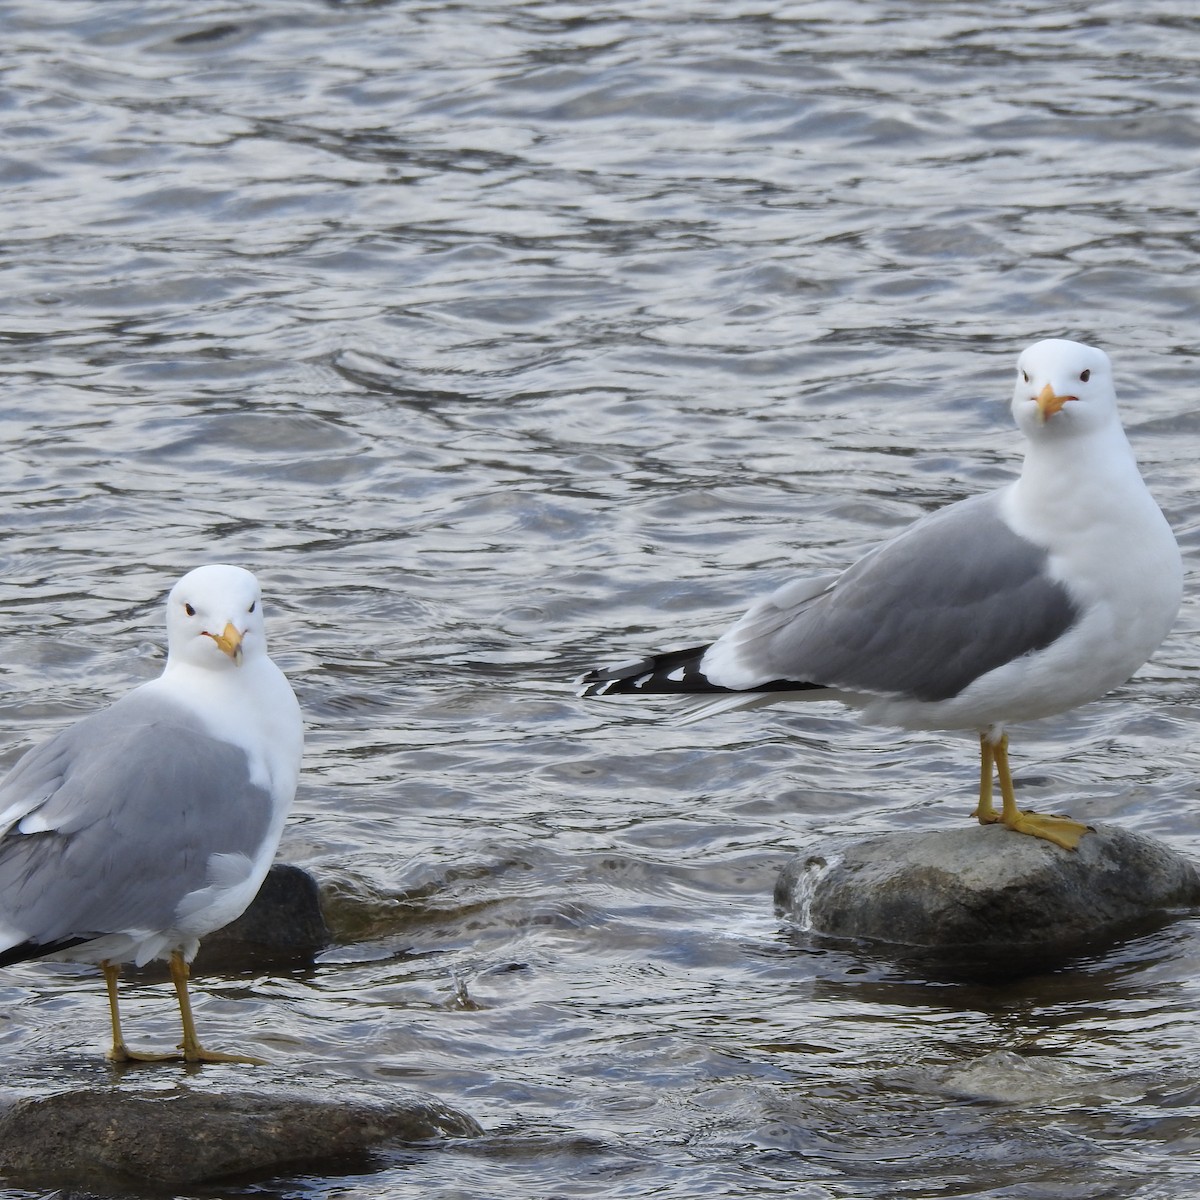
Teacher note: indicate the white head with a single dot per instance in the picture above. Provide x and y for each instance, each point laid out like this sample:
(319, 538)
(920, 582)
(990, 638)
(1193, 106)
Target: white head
(1063, 388)
(214, 618)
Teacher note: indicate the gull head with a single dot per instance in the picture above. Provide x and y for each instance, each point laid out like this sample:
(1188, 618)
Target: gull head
(214, 618)
(1063, 388)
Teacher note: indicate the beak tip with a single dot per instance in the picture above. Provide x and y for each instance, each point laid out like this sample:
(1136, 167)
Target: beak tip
(229, 641)
(1049, 403)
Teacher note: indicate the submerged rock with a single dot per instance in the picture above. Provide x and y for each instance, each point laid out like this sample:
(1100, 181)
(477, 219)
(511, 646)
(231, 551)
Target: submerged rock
(1002, 1077)
(110, 1138)
(988, 891)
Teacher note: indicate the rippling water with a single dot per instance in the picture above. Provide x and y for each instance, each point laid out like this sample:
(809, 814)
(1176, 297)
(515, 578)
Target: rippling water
(500, 338)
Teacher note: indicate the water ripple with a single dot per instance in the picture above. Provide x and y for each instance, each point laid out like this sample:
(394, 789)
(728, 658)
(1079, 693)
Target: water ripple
(499, 339)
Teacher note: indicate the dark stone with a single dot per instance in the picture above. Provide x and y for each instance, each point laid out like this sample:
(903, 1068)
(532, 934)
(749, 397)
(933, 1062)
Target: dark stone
(110, 1138)
(283, 926)
(984, 892)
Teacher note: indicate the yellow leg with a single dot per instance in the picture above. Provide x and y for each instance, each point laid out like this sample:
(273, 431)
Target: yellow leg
(1008, 796)
(121, 1052)
(985, 812)
(1062, 831)
(192, 1050)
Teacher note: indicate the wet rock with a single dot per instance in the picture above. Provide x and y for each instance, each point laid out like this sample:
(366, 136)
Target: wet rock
(1002, 1077)
(103, 1139)
(1002, 897)
(284, 925)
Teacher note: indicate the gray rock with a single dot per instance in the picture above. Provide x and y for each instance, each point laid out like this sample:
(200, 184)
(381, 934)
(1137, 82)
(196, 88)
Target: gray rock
(283, 926)
(102, 1139)
(992, 894)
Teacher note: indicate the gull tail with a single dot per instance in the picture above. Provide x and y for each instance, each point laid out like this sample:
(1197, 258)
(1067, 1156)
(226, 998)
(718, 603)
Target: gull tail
(679, 673)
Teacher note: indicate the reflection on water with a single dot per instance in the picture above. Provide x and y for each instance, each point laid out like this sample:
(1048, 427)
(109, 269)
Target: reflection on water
(502, 339)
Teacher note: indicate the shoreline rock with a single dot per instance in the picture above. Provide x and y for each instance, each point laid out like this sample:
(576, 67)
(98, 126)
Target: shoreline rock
(107, 1139)
(984, 896)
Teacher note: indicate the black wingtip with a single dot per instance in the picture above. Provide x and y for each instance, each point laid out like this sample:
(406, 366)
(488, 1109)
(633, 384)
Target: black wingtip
(27, 951)
(593, 684)
(674, 673)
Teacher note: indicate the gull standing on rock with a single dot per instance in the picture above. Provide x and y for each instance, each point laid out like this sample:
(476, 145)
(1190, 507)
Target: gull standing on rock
(135, 832)
(1013, 605)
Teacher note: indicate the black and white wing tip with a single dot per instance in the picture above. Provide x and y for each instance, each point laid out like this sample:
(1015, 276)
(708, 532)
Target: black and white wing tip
(675, 673)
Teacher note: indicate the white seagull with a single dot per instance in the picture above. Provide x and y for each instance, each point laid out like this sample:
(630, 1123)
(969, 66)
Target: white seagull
(1005, 607)
(135, 832)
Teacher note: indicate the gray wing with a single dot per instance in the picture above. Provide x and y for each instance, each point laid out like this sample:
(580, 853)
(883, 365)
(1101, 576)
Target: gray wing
(922, 616)
(117, 817)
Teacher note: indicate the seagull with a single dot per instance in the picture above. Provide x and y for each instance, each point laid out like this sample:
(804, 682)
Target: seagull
(135, 832)
(1004, 607)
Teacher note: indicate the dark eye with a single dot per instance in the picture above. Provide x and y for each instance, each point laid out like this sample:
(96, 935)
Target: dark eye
(1084, 376)
(1025, 376)
(191, 612)
(253, 606)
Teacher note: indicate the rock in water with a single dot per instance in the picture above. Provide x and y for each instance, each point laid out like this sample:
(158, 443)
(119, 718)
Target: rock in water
(112, 1138)
(282, 926)
(984, 890)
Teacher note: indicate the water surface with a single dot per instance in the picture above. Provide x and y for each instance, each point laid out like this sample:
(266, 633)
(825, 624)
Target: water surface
(504, 338)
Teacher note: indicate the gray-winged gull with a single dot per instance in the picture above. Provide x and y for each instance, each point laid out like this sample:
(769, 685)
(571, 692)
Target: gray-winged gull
(135, 832)
(1005, 607)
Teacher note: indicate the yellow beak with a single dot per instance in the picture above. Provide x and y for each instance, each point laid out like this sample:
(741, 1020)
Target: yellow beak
(1048, 403)
(230, 641)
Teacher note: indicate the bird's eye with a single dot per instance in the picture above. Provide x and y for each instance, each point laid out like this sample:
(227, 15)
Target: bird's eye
(252, 606)
(191, 612)
(1025, 376)
(1084, 376)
